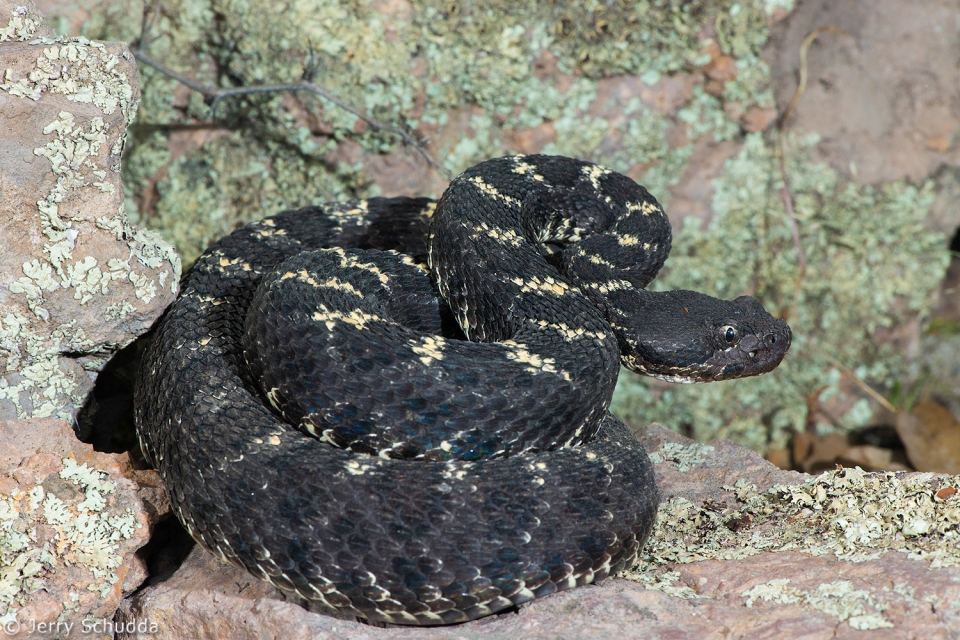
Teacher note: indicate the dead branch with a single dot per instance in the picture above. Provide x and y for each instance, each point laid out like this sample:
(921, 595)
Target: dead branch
(212, 96)
(785, 192)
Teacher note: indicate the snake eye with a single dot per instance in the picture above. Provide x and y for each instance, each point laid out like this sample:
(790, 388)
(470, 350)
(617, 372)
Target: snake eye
(728, 333)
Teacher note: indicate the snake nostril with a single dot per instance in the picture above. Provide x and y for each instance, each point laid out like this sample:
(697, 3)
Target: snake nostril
(771, 339)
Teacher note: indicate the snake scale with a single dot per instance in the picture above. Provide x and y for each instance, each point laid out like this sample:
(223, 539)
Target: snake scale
(323, 418)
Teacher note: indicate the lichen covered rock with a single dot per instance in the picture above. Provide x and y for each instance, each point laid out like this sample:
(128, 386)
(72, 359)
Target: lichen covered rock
(77, 282)
(71, 522)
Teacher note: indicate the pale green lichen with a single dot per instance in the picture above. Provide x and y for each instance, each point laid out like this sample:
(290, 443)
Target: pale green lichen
(770, 6)
(80, 527)
(38, 385)
(476, 60)
(857, 607)
(34, 381)
(74, 156)
(705, 115)
(37, 381)
(37, 278)
(119, 310)
(853, 515)
(848, 513)
(668, 582)
(684, 457)
(872, 265)
(21, 26)
(79, 69)
(750, 87)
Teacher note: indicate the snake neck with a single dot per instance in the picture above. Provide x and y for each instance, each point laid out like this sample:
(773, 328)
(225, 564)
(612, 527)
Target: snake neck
(500, 286)
(552, 238)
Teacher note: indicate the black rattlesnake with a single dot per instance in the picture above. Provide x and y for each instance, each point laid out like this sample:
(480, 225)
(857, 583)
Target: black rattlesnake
(466, 476)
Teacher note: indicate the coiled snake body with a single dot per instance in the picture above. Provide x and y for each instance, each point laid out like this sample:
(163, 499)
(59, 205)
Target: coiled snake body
(321, 419)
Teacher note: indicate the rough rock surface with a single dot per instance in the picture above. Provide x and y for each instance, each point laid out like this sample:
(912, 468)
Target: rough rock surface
(71, 522)
(76, 281)
(885, 81)
(692, 586)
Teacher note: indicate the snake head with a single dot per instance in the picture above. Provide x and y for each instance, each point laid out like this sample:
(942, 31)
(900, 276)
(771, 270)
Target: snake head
(684, 336)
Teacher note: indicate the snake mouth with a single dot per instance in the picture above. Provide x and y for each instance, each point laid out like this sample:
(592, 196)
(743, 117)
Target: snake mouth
(757, 354)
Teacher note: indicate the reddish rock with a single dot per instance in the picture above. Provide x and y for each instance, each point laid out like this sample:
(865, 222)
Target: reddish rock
(758, 119)
(692, 196)
(530, 140)
(753, 593)
(882, 93)
(71, 523)
(931, 435)
(77, 281)
(720, 69)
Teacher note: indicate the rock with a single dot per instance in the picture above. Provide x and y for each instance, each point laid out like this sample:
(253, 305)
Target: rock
(875, 86)
(759, 552)
(71, 523)
(742, 549)
(210, 598)
(76, 281)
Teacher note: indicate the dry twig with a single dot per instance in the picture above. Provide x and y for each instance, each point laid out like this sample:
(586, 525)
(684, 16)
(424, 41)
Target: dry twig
(212, 96)
(870, 391)
(787, 198)
(788, 205)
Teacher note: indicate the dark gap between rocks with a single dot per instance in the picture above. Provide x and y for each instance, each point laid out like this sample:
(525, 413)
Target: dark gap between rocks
(106, 419)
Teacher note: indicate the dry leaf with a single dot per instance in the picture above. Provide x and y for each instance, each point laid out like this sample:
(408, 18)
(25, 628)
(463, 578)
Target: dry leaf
(871, 458)
(931, 436)
(780, 458)
(946, 493)
(825, 452)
